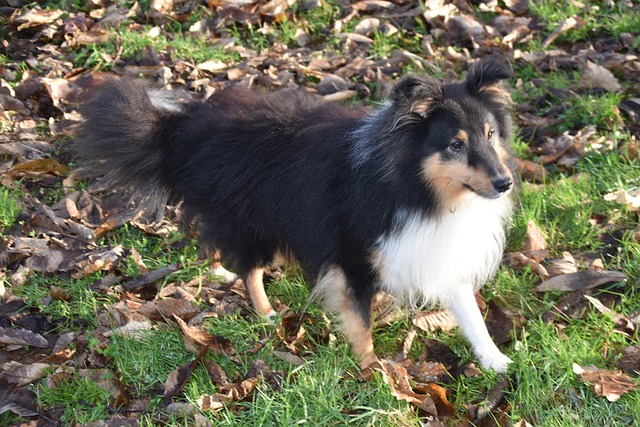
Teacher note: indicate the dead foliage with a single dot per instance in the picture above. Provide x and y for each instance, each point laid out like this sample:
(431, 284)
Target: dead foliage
(64, 228)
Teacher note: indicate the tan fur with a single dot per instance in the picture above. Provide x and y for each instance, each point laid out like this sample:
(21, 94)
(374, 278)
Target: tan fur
(498, 92)
(487, 128)
(255, 288)
(463, 136)
(332, 289)
(422, 106)
(448, 178)
(504, 157)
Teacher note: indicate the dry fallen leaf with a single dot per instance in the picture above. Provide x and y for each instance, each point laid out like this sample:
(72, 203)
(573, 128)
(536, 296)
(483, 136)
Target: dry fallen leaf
(607, 383)
(564, 265)
(398, 379)
(37, 168)
(22, 337)
(631, 200)
(21, 374)
(581, 280)
(179, 377)
(597, 76)
(534, 239)
(159, 310)
(434, 320)
(197, 337)
(531, 171)
(520, 260)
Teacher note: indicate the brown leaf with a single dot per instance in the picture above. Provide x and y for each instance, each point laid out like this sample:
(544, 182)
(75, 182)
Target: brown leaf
(179, 377)
(630, 360)
(216, 373)
(564, 265)
(235, 392)
(494, 397)
(520, 260)
(397, 377)
(597, 76)
(22, 337)
(99, 260)
(291, 330)
(59, 294)
(534, 239)
(106, 380)
(434, 320)
(151, 277)
(531, 171)
(22, 374)
(607, 383)
(37, 168)
(501, 322)
(159, 310)
(631, 200)
(137, 259)
(202, 338)
(403, 351)
(517, 6)
(581, 280)
(35, 17)
(289, 357)
(564, 26)
(439, 396)
(21, 402)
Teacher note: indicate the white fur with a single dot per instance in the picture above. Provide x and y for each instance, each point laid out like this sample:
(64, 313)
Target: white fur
(172, 102)
(446, 259)
(426, 258)
(465, 309)
(363, 147)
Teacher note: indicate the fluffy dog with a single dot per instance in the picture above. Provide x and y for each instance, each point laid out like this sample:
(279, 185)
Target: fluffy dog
(411, 199)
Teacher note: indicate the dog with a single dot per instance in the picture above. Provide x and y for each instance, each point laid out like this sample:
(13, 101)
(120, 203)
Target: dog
(412, 199)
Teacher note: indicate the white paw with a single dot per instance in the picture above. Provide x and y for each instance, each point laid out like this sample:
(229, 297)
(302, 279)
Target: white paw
(271, 316)
(226, 275)
(496, 361)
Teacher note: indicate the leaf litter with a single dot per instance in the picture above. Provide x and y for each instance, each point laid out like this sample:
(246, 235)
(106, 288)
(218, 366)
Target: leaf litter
(65, 236)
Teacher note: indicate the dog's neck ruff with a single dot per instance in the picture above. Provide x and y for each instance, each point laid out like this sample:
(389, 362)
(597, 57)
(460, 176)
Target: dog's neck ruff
(425, 257)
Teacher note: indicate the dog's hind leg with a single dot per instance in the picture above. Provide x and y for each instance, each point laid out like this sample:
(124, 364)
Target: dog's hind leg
(467, 314)
(332, 288)
(255, 287)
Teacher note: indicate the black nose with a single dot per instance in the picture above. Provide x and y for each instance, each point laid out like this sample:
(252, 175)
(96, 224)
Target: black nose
(502, 184)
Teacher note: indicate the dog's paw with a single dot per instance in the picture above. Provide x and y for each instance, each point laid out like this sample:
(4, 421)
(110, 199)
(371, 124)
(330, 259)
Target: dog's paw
(226, 275)
(496, 361)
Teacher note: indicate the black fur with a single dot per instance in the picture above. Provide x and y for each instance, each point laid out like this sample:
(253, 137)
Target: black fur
(266, 172)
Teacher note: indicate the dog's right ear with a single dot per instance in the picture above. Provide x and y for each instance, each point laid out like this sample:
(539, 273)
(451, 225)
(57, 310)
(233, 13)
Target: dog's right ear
(417, 95)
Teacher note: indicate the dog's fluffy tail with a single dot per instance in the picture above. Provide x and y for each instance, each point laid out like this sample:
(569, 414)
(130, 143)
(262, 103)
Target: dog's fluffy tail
(123, 139)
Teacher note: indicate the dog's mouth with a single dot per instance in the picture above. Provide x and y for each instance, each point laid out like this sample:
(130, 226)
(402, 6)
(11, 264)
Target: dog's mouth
(493, 192)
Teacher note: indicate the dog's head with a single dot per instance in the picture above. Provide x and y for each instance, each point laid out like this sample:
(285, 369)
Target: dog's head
(460, 129)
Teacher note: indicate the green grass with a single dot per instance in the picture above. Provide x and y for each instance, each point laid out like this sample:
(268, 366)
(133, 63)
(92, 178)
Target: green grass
(569, 208)
(9, 207)
(83, 399)
(595, 18)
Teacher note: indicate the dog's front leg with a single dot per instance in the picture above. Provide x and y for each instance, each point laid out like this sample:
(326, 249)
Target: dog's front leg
(467, 314)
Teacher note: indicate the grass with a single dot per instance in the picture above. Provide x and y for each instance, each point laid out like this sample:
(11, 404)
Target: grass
(9, 207)
(594, 16)
(569, 208)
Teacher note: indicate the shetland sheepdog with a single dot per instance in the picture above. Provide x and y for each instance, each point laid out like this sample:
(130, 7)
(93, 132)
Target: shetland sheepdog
(412, 199)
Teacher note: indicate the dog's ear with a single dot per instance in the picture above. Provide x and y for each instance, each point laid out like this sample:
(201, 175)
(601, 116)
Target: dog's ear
(487, 75)
(417, 95)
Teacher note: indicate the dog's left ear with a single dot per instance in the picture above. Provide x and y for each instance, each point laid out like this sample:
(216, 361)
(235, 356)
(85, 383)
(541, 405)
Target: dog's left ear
(417, 95)
(487, 76)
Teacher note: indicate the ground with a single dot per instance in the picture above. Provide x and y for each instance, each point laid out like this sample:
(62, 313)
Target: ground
(108, 318)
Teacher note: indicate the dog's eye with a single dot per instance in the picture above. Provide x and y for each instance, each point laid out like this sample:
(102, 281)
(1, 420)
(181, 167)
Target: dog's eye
(490, 134)
(456, 145)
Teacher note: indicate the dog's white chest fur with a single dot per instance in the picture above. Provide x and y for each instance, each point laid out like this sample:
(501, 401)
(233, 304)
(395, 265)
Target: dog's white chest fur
(426, 257)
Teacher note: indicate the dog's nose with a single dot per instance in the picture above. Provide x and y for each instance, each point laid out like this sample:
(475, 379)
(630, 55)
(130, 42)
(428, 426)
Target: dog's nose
(502, 184)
